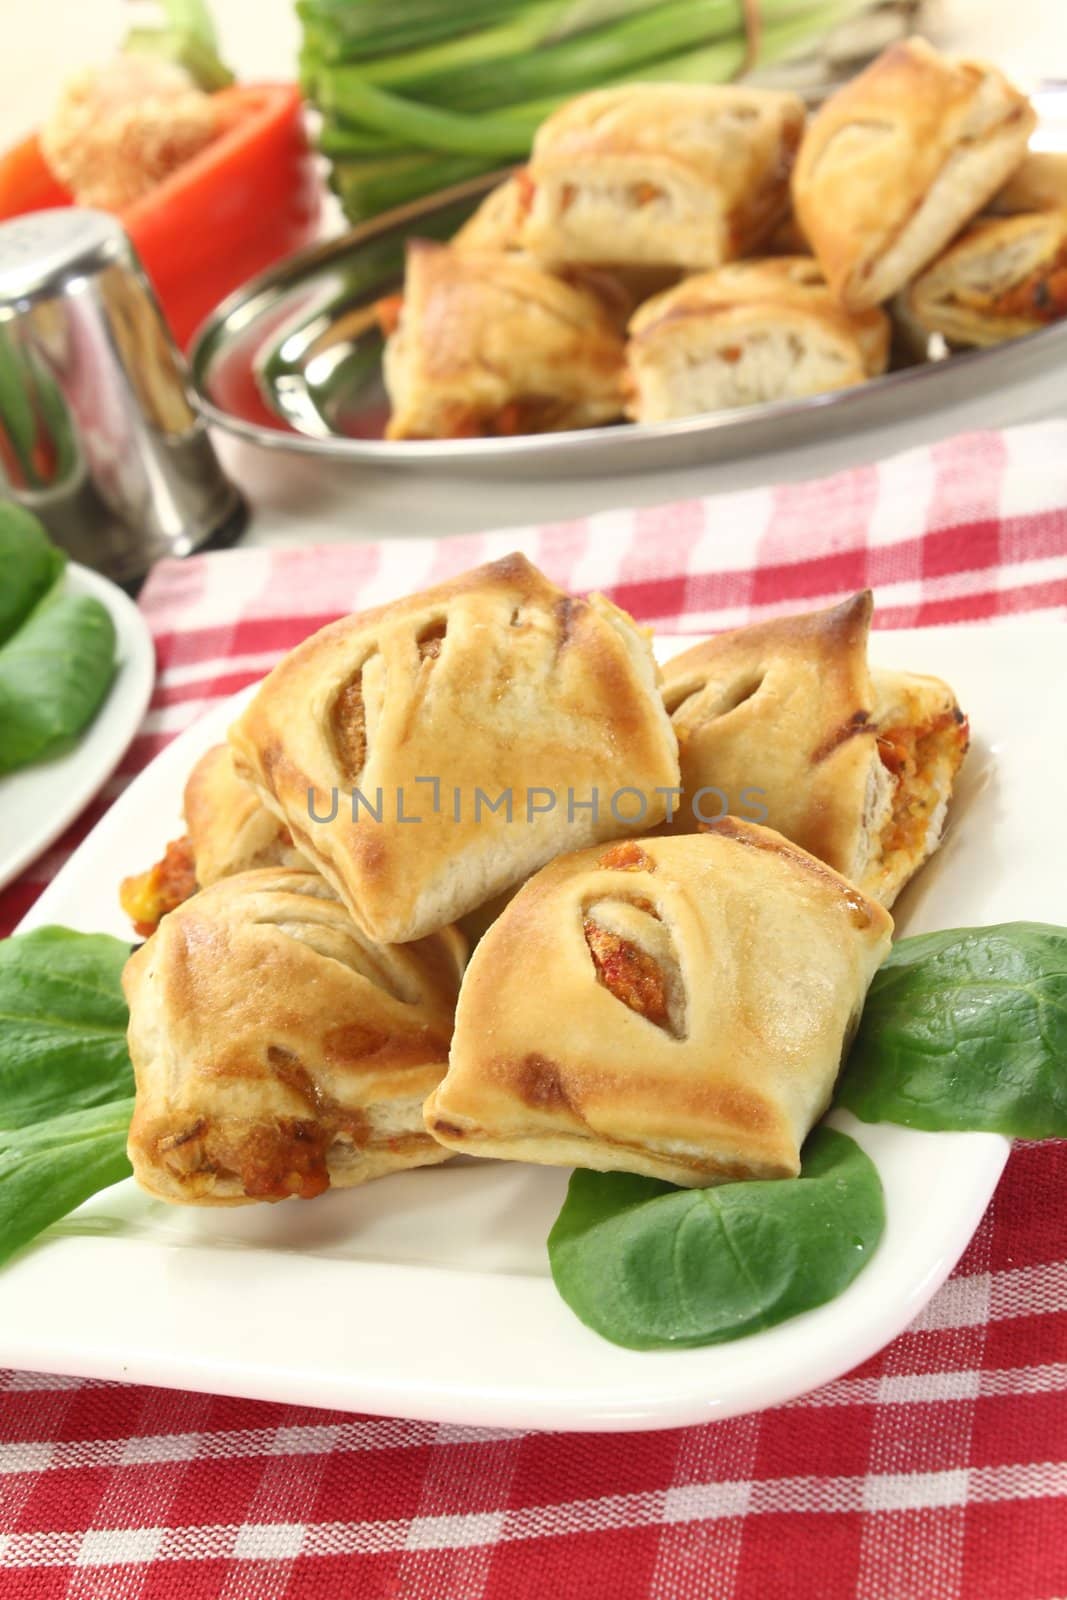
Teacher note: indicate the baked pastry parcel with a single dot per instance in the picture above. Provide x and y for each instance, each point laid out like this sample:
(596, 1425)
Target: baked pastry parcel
(503, 713)
(752, 332)
(228, 830)
(279, 1052)
(663, 174)
(1003, 276)
(677, 1007)
(497, 225)
(785, 723)
(898, 160)
(488, 343)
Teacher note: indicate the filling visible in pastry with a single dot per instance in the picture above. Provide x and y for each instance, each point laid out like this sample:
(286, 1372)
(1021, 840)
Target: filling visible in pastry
(229, 831)
(922, 750)
(146, 897)
(680, 175)
(853, 765)
(632, 975)
(1042, 296)
(1001, 278)
(1039, 296)
(747, 334)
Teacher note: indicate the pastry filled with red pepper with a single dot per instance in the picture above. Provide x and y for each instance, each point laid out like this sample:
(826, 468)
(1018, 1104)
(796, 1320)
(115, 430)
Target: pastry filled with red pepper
(786, 722)
(672, 1007)
(1001, 278)
(656, 174)
(746, 334)
(484, 343)
(278, 1051)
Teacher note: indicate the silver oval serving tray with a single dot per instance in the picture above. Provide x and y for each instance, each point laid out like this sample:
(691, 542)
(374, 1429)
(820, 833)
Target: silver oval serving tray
(292, 361)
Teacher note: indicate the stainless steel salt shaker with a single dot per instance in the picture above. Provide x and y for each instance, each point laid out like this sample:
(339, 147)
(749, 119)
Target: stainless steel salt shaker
(100, 435)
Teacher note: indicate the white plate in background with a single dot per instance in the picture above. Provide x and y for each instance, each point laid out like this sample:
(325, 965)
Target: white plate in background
(39, 801)
(428, 1295)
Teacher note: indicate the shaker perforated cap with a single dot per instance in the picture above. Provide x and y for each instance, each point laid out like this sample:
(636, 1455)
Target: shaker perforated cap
(43, 251)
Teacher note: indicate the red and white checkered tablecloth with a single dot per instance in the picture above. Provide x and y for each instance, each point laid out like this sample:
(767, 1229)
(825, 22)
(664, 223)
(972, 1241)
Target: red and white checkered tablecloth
(938, 1471)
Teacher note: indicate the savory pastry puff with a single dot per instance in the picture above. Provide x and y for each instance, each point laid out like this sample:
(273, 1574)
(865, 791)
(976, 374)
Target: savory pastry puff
(496, 226)
(674, 1007)
(1039, 184)
(1003, 276)
(495, 684)
(278, 1051)
(783, 721)
(665, 174)
(748, 333)
(898, 160)
(489, 343)
(230, 829)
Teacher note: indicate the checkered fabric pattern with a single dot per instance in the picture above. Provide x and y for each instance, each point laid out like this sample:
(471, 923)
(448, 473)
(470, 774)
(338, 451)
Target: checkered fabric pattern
(937, 1471)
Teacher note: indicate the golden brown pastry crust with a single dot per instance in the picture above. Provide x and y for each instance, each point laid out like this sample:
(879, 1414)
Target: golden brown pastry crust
(489, 343)
(1003, 277)
(277, 1051)
(496, 227)
(785, 718)
(680, 174)
(1039, 184)
(783, 707)
(749, 333)
(898, 160)
(494, 681)
(496, 224)
(678, 1007)
(230, 829)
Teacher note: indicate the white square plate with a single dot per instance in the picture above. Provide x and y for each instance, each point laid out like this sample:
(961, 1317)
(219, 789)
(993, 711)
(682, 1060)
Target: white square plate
(428, 1295)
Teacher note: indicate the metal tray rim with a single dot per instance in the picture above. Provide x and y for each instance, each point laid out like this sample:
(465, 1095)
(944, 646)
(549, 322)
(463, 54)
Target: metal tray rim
(625, 446)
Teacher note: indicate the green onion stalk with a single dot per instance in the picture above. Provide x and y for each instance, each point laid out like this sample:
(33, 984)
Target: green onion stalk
(415, 95)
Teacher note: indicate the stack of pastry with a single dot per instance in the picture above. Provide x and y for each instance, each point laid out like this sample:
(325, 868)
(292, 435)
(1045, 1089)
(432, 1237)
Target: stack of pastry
(665, 986)
(673, 249)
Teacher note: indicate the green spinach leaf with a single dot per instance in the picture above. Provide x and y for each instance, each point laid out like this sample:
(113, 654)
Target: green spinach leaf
(54, 674)
(651, 1267)
(66, 1083)
(29, 566)
(966, 1030)
(62, 1024)
(48, 1169)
